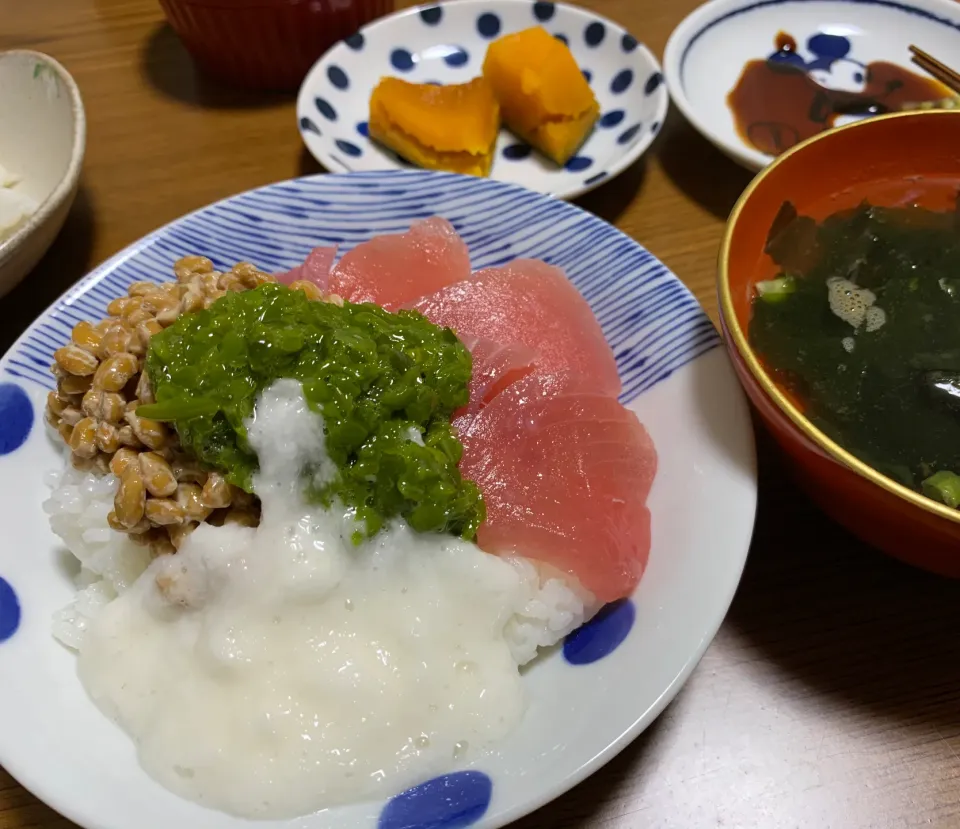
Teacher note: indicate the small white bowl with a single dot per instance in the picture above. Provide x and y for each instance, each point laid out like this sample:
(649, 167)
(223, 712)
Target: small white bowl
(42, 138)
(707, 52)
(445, 43)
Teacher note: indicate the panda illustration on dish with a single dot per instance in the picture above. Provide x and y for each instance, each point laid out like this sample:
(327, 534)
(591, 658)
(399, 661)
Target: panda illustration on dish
(794, 94)
(830, 67)
(846, 89)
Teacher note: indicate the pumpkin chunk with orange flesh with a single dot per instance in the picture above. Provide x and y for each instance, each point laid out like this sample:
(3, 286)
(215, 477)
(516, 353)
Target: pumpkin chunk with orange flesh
(543, 95)
(451, 128)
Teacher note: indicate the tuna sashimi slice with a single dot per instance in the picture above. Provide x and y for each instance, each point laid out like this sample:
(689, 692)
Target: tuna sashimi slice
(495, 366)
(565, 473)
(315, 268)
(395, 268)
(531, 303)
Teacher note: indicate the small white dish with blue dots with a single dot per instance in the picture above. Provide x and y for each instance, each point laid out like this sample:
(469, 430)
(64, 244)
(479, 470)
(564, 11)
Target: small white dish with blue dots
(588, 697)
(837, 44)
(446, 44)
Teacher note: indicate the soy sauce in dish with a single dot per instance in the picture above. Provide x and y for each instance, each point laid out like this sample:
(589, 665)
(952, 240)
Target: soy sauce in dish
(862, 328)
(784, 99)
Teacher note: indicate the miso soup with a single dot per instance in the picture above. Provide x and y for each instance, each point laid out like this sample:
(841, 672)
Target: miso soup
(862, 327)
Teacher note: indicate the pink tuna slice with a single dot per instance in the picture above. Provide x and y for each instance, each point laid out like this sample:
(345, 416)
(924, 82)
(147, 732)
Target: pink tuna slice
(315, 268)
(565, 473)
(530, 303)
(395, 268)
(495, 367)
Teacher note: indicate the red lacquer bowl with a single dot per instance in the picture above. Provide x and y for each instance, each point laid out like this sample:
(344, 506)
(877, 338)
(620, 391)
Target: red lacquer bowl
(886, 160)
(266, 44)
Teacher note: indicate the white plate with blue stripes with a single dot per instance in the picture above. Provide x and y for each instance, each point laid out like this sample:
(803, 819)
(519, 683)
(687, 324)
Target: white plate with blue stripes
(589, 698)
(446, 43)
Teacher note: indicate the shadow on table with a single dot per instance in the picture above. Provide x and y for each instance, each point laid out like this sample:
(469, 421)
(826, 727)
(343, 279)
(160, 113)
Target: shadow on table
(844, 618)
(24, 810)
(308, 165)
(698, 168)
(68, 259)
(168, 67)
(580, 805)
(611, 199)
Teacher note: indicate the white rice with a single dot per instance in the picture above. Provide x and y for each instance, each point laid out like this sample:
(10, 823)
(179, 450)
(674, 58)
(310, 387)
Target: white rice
(110, 562)
(553, 605)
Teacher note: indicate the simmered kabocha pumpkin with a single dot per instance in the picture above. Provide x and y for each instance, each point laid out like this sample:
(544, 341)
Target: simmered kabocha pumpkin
(450, 128)
(543, 95)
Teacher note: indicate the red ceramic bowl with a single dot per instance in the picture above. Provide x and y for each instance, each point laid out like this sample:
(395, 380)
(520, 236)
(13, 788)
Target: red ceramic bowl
(266, 44)
(882, 159)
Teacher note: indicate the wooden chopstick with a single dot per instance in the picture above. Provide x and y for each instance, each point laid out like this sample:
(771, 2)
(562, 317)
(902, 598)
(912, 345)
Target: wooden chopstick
(943, 73)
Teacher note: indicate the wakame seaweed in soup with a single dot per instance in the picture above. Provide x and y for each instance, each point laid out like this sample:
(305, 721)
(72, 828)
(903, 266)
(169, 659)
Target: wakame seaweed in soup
(862, 325)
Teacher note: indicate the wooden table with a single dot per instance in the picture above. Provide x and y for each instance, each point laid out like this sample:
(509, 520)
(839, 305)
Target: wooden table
(830, 697)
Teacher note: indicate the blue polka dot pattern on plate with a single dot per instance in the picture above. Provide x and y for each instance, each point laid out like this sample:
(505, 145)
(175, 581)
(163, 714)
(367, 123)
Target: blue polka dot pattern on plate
(364, 129)
(595, 33)
(543, 11)
(9, 611)
(16, 417)
(355, 41)
(602, 635)
(595, 178)
(325, 108)
(431, 15)
(451, 801)
(587, 74)
(488, 24)
(621, 81)
(348, 147)
(516, 152)
(628, 42)
(456, 57)
(337, 77)
(306, 125)
(562, 38)
(578, 163)
(611, 118)
(401, 59)
(629, 134)
(652, 83)
(654, 127)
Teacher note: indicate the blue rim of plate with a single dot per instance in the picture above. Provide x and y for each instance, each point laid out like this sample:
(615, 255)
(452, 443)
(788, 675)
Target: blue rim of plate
(762, 4)
(655, 327)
